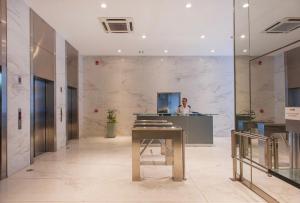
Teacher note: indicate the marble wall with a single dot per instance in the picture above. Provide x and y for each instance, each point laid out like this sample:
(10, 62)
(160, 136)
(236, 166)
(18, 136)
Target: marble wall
(18, 95)
(130, 85)
(242, 85)
(279, 88)
(267, 87)
(61, 91)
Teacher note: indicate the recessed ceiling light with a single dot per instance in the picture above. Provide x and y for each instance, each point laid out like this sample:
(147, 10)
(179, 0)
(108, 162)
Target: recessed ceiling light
(245, 50)
(144, 36)
(246, 5)
(212, 51)
(202, 36)
(188, 5)
(103, 5)
(166, 51)
(119, 51)
(243, 36)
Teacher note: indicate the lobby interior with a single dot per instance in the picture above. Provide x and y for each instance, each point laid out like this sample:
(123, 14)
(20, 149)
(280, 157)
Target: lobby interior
(92, 96)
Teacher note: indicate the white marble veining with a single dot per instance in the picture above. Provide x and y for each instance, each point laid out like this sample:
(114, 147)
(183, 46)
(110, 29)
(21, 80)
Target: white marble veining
(61, 89)
(279, 88)
(267, 87)
(262, 89)
(18, 95)
(130, 85)
(99, 170)
(242, 85)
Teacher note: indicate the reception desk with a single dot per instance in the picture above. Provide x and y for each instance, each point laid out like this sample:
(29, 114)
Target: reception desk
(197, 127)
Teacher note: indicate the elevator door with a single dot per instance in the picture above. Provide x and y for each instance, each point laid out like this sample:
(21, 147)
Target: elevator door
(1, 124)
(43, 116)
(72, 125)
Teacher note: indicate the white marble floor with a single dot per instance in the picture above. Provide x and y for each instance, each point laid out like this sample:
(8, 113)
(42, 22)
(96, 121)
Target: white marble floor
(99, 170)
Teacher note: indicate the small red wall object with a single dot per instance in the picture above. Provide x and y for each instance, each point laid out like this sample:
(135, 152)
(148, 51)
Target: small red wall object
(261, 111)
(96, 111)
(97, 63)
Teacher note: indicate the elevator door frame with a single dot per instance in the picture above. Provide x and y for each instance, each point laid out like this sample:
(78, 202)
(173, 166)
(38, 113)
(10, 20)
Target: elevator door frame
(3, 110)
(72, 82)
(48, 47)
(49, 124)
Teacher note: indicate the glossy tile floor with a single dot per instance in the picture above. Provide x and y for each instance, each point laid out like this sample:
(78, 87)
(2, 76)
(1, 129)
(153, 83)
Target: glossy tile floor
(99, 170)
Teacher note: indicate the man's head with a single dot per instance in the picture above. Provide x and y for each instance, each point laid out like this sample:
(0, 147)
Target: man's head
(184, 101)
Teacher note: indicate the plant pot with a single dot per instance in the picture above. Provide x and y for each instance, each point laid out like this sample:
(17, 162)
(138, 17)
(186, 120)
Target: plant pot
(111, 130)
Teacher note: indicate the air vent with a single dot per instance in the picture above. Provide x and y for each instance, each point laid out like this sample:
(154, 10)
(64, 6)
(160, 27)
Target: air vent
(117, 25)
(285, 25)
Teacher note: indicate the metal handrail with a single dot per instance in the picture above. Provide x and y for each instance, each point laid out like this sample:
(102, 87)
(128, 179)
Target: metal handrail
(271, 148)
(252, 135)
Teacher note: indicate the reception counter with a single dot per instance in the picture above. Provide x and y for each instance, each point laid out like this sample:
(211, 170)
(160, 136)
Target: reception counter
(197, 127)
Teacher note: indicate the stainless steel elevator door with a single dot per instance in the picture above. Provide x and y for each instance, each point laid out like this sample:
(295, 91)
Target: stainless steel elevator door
(1, 141)
(50, 139)
(44, 135)
(72, 125)
(39, 117)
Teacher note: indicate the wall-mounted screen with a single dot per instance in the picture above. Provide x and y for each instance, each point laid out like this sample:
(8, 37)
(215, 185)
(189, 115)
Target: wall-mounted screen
(168, 102)
(294, 97)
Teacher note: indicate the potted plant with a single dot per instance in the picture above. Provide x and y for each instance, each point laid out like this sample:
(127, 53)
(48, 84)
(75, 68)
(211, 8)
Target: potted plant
(111, 123)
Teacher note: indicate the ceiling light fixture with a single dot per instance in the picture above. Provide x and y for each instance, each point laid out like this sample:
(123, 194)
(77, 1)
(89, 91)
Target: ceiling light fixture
(202, 36)
(243, 36)
(103, 5)
(245, 50)
(119, 51)
(188, 5)
(246, 5)
(144, 36)
(212, 51)
(166, 51)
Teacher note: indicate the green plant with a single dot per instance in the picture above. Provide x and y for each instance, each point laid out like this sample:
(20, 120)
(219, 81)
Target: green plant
(111, 116)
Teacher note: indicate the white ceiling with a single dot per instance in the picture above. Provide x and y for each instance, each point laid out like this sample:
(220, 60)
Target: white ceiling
(168, 24)
(262, 14)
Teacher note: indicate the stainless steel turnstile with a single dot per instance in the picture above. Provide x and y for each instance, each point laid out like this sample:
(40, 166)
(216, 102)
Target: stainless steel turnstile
(165, 144)
(151, 121)
(294, 140)
(177, 138)
(153, 124)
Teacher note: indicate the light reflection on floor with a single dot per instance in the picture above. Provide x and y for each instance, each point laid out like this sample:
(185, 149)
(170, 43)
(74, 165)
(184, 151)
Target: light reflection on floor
(99, 170)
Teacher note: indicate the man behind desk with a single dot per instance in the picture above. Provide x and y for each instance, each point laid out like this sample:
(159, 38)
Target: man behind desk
(184, 109)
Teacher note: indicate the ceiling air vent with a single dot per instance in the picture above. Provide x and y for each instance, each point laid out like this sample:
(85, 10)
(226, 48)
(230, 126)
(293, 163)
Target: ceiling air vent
(285, 25)
(117, 25)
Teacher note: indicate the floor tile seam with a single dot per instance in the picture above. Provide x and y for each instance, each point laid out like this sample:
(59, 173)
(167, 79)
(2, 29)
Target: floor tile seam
(64, 178)
(76, 163)
(198, 189)
(242, 190)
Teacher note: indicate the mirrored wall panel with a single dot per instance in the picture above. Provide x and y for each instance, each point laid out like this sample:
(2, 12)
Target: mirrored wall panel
(3, 95)
(267, 58)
